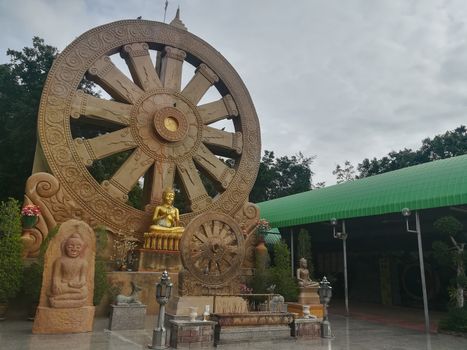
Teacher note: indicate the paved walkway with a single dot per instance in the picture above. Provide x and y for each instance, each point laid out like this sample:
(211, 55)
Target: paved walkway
(350, 333)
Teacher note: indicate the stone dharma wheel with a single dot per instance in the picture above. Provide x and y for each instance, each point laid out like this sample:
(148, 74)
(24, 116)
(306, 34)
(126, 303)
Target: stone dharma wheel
(154, 109)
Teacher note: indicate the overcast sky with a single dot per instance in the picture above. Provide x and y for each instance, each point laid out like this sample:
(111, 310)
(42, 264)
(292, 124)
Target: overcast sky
(342, 80)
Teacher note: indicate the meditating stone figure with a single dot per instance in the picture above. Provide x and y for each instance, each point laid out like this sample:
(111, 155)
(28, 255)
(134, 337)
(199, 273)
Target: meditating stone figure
(66, 300)
(303, 275)
(69, 289)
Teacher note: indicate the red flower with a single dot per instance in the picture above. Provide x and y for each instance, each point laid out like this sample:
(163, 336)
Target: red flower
(30, 210)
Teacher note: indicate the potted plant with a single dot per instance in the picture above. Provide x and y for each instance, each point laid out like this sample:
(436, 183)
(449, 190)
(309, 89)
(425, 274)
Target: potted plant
(11, 264)
(29, 215)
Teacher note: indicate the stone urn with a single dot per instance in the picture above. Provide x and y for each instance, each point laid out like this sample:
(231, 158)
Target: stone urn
(306, 311)
(193, 313)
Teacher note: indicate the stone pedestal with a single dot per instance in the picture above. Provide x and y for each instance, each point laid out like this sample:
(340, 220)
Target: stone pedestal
(186, 334)
(179, 306)
(308, 296)
(306, 328)
(252, 326)
(127, 317)
(159, 260)
(315, 309)
(66, 320)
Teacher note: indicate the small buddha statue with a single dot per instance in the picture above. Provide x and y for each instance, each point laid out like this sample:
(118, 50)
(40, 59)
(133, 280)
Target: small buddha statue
(165, 232)
(68, 288)
(303, 275)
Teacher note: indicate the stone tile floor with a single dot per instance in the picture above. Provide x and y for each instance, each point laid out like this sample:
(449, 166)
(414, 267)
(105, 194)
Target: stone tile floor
(349, 334)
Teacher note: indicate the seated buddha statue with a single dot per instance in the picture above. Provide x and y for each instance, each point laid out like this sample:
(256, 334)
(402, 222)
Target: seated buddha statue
(165, 232)
(69, 285)
(166, 217)
(303, 275)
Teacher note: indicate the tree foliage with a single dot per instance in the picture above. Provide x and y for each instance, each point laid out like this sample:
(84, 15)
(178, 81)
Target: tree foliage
(450, 144)
(281, 273)
(452, 254)
(21, 83)
(344, 173)
(283, 176)
(11, 264)
(304, 248)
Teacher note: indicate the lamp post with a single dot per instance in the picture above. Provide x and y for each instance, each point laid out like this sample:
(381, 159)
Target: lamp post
(406, 214)
(325, 294)
(342, 236)
(163, 293)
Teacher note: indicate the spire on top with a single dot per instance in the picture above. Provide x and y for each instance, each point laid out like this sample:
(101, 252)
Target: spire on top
(177, 22)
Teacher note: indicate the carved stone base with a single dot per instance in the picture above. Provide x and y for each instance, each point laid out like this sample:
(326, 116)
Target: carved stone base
(159, 260)
(308, 295)
(179, 306)
(127, 317)
(252, 326)
(56, 321)
(306, 328)
(297, 308)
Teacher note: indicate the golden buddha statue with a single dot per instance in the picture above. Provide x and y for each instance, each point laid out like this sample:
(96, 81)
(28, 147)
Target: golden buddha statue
(165, 232)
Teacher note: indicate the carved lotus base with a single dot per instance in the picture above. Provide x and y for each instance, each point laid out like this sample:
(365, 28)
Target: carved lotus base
(57, 321)
(159, 260)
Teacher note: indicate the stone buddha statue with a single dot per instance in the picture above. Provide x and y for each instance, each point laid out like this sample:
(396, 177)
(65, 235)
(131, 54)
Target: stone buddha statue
(68, 288)
(303, 275)
(165, 232)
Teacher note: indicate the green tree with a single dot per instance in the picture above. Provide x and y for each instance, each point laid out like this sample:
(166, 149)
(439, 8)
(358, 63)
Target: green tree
(283, 176)
(344, 173)
(21, 84)
(452, 255)
(281, 273)
(304, 248)
(11, 264)
(450, 144)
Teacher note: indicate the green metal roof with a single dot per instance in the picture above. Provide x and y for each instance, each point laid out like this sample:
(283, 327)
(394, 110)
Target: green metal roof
(435, 184)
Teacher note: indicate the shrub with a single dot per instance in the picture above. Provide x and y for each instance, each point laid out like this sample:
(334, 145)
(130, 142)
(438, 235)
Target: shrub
(32, 275)
(11, 264)
(101, 285)
(456, 320)
(281, 273)
(304, 249)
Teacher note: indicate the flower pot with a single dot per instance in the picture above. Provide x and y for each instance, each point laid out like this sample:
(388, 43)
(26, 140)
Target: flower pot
(29, 221)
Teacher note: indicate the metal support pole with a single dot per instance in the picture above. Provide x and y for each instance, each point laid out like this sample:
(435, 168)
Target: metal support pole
(422, 272)
(292, 256)
(159, 333)
(346, 287)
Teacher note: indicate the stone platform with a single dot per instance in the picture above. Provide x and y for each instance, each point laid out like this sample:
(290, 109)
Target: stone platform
(315, 309)
(187, 335)
(159, 260)
(55, 320)
(308, 296)
(252, 326)
(127, 317)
